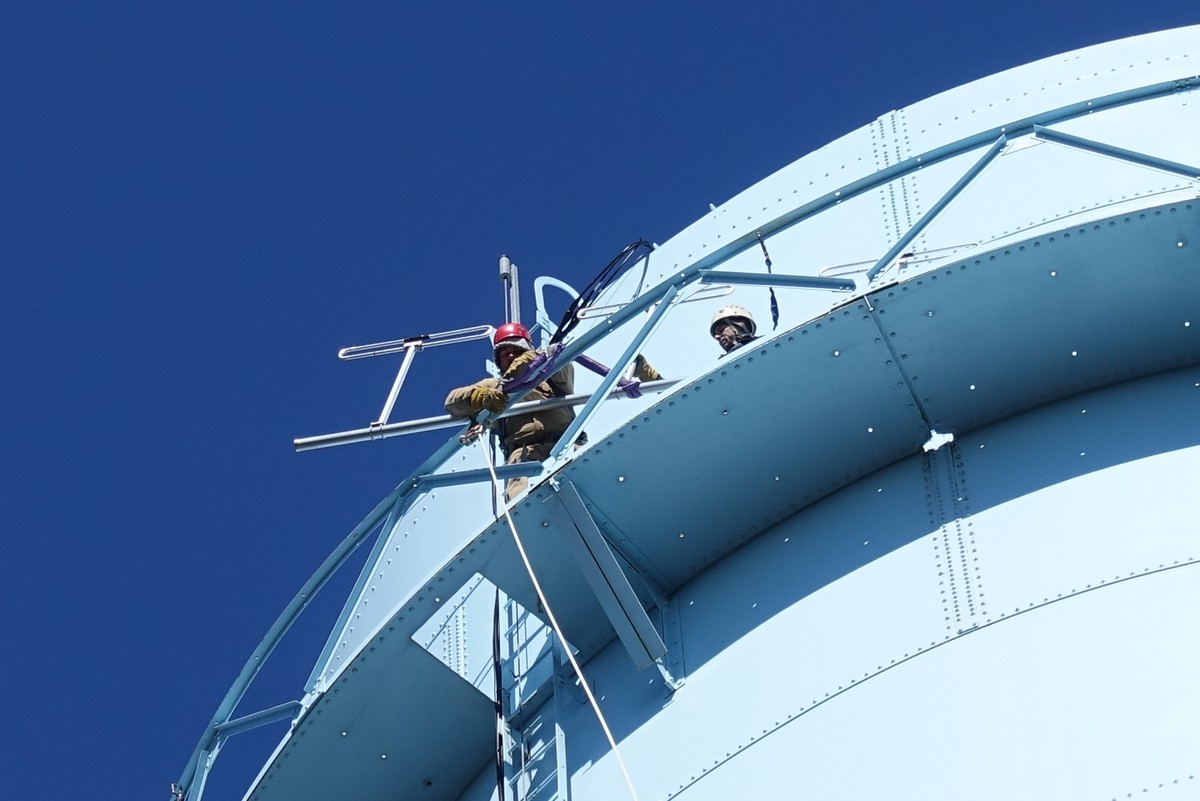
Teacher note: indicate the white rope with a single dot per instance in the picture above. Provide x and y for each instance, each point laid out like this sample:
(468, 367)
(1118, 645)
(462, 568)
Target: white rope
(485, 443)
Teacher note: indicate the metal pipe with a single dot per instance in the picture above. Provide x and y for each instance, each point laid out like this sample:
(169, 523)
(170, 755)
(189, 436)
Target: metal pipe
(446, 421)
(423, 340)
(409, 352)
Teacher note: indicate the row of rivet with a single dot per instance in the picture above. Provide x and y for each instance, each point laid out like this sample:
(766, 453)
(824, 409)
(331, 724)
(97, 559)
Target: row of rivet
(1161, 786)
(918, 651)
(1077, 79)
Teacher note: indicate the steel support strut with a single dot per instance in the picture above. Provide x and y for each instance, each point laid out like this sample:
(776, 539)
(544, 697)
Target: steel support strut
(607, 580)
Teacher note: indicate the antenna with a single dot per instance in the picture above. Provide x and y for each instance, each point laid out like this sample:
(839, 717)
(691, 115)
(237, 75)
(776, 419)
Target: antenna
(410, 346)
(512, 290)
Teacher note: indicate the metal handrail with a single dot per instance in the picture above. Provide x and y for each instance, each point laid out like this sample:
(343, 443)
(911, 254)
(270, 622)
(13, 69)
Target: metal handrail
(911, 257)
(1014, 129)
(447, 421)
(212, 737)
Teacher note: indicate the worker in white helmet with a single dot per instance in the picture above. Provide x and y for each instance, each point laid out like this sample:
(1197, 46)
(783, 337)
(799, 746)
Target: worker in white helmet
(732, 326)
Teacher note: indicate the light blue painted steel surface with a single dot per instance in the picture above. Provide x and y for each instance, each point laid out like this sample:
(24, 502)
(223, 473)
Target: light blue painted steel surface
(1088, 306)
(837, 652)
(386, 738)
(857, 617)
(849, 387)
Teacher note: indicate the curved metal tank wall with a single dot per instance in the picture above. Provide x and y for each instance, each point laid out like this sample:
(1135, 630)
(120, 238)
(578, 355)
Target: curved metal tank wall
(1009, 616)
(1034, 187)
(1004, 617)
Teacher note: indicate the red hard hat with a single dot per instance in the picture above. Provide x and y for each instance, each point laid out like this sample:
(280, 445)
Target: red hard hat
(511, 331)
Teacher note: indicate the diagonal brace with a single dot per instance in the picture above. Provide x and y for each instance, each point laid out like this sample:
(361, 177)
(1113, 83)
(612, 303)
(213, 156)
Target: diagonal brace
(1103, 149)
(938, 207)
(604, 576)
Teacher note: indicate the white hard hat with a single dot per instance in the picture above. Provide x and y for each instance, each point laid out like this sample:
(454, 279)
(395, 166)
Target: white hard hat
(727, 313)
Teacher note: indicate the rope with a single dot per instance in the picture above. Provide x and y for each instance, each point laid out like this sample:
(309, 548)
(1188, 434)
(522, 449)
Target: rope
(537, 587)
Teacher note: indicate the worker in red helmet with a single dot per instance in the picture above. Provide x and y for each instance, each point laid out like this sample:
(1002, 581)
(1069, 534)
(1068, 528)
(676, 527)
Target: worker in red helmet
(524, 437)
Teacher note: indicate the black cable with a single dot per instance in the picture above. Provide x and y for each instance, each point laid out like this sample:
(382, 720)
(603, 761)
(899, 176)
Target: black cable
(601, 282)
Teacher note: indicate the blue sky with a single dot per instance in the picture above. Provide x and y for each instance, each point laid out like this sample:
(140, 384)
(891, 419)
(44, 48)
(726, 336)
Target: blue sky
(202, 203)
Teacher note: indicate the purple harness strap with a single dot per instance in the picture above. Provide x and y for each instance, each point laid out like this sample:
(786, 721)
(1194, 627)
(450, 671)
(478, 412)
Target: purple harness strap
(631, 388)
(545, 365)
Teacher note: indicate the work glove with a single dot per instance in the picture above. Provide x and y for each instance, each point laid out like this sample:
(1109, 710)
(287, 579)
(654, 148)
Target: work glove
(518, 365)
(642, 370)
(488, 398)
